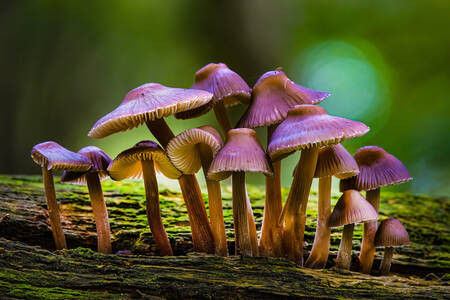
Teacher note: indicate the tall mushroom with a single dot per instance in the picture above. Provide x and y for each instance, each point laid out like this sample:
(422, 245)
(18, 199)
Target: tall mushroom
(306, 128)
(52, 156)
(100, 161)
(242, 153)
(390, 234)
(141, 161)
(149, 104)
(194, 149)
(377, 169)
(351, 208)
(272, 97)
(332, 161)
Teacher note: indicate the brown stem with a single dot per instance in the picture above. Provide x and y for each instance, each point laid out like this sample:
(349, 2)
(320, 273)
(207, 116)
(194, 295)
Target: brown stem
(367, 253)
(215, 204)
(201, 230)
(344, 257)
(251, 225)
(153, 210)
(240, 215)
(100, 213)
(294, 210)
(270, 243)
(385, 265)
(53, 210)
(222, 117)
(319, 253)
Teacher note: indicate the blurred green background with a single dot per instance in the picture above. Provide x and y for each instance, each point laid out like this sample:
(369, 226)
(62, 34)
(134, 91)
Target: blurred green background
(65, 64)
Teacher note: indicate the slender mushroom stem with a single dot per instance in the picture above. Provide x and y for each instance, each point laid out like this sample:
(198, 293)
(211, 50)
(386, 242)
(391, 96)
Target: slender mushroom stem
(222, 118)
(240, 215)
(344, 257)
(100, 213)
(270, 242)
(153, 210)
(294, 211)
(370, 228)
(215, 204)
(251, 225)
(53, 210)
(385, 265)
(319, 253)
(201, 230)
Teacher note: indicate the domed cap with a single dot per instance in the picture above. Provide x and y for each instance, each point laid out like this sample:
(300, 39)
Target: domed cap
(183, 149)
(272, 97)
(352, 208)
(100, 162)
(146, 103)
(308, 126)
(335, 160)
(242, 152)
(378, 168)
(53, 156)
(128, 163)
(391, 233)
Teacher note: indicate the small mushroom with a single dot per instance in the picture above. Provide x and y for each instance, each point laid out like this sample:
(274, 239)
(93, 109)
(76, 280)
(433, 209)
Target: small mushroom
(149, 104)
(272, 96)
(332, 161)
(242, 153)
(351, 208)
(390, 234)
(306, 128)
(100, 161)
(377, 169)
(194, 149)
(52, 156)
(140, 161)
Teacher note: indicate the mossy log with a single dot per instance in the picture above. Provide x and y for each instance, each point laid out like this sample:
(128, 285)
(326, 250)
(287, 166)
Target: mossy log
(29, 268)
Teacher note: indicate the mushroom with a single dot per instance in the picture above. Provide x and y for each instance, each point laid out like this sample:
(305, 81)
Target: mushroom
(52, 156)
(272, 96)
(306, 128)
(100, 161)
(194, 149)
(351, 208)
(377, 168)
(332, 161)
(242, 153)
(390, 234)
(149, 104)
(140, 161)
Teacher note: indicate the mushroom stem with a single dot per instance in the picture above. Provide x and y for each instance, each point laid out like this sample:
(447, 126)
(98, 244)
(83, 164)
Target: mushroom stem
(240, 215)
(222, 118)
(270, 241)
(294, 211)
(370, 228)
(53, 210)
(251, 225)
(201, 230)
(319, 253)
(215, 204)
(385, 265)
(153, 210)
(100, 213)
(344, 257)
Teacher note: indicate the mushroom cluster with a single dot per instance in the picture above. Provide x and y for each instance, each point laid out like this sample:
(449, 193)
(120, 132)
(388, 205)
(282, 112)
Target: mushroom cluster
(294, 123)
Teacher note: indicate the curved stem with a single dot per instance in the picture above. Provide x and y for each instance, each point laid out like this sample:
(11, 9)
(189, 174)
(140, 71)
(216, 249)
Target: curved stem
(100, 213)
(222, 118)
(215, 204)
(240, 215)
(53, 210)
(367, 253)
(270, 241)
(385, 266)
(319, 253)
(251, 224)
(153, 210)
(344, 257)
(201, 230)
(294, 211)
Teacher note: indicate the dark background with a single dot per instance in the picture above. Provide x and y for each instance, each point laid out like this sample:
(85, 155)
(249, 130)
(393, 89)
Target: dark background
(65, 64)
